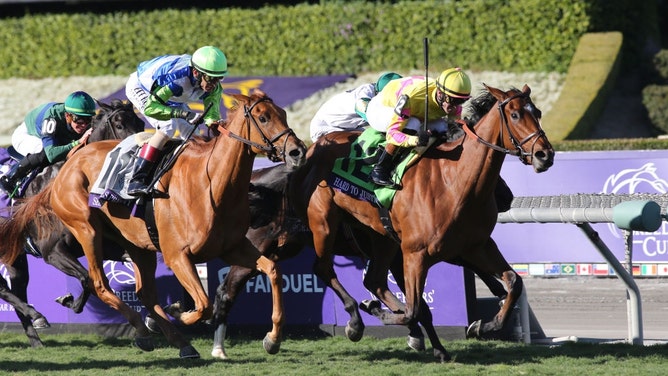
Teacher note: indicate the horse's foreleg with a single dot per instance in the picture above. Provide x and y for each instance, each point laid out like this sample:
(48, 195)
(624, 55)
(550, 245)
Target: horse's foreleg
(144, 264)
(496, 265)
(425, 317)
(324, 234)
(272, 341)
(226, 294)
(186, 273)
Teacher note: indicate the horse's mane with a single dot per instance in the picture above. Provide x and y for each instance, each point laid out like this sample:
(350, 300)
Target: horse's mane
(479, 106)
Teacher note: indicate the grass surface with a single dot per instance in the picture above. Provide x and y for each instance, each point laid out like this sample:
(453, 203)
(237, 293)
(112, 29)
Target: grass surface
(76, 354)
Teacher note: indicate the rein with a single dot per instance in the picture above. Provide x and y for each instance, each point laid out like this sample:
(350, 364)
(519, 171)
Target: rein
(518, 151)
(268, 148)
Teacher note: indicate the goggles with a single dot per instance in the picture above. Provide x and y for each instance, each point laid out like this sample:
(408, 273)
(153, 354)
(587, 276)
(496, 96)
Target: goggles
(81, 120)
(453, 100)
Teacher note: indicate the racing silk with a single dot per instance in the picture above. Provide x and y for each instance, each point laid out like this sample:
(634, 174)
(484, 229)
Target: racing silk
(406, 96)
(49, 124)
(170, 81)
(343, 112)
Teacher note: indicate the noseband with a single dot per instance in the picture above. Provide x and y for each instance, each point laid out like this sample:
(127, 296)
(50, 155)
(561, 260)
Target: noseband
(518, 151)
(268, 148)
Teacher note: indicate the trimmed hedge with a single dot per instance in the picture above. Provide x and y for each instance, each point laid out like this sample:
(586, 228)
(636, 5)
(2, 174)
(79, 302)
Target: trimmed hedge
(590, 78)
(328, 38)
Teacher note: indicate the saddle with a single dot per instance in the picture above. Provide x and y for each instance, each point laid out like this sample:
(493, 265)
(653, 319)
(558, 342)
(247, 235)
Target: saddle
(112, 183)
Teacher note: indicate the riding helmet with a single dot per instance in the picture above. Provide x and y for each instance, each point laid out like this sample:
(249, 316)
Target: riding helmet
(455, 83)
(80, 103)
(210, 61)
(384, 79)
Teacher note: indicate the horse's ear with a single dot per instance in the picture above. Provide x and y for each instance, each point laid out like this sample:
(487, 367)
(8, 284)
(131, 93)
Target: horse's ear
(258, 92)
(102, 104)
(498, 94)
(526, 89)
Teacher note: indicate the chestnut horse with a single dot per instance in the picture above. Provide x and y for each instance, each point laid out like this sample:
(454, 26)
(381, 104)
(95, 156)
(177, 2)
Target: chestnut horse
(202, 213)
(116, 120)
(446, 210)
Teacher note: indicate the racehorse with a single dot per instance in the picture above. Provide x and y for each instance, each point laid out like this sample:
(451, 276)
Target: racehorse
(279, 234)
(446, 210)
(200, 213)
(116, 120)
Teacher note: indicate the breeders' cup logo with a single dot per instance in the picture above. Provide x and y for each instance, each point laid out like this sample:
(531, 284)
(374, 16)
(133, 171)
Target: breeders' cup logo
(640, 180)
(121, 273)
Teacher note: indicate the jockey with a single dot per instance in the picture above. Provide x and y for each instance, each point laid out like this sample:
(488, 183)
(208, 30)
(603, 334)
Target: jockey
(161, 89)
(48, 133)
(347, 111)
(399, 110)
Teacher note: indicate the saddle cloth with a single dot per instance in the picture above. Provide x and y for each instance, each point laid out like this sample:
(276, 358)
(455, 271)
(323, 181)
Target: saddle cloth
(112, 183)
(350, 175)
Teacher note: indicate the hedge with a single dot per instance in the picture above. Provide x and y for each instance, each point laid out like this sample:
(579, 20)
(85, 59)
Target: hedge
(328, 38)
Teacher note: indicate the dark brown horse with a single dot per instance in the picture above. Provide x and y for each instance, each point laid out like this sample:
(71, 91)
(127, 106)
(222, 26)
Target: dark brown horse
(116, 120)
(446, 210)
(202, 214)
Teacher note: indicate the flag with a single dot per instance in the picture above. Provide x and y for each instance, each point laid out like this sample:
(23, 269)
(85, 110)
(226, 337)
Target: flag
(662, 269)
(584, 269)
(648, 269)
(567, 269)
(600, 269)
(536, 269)
(521, 269)
(553, 269)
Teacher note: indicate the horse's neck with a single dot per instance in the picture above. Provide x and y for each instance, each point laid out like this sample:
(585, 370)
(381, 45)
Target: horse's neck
(483, 164)
(226, 164)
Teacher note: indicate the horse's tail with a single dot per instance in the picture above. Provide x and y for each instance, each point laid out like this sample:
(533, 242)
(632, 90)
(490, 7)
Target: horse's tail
(35, 210)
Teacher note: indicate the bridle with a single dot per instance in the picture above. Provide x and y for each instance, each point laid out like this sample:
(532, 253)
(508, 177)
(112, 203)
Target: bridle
(106, 122)
(273, 153)
(518, 150)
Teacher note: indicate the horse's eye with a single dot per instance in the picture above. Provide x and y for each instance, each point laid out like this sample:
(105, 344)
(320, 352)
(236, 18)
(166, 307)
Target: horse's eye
(262, 119)
(515, 115)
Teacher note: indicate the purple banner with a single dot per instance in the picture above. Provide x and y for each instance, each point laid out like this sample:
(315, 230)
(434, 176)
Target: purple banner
(308, 301)
(612, 172)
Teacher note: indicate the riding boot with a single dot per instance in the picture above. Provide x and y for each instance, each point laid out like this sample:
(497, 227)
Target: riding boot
(19, 171)
(143, 170)
(382, 171)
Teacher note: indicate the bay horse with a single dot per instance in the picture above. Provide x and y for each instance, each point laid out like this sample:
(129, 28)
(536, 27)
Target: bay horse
(446, 210)
(202, 213)
(279, 234)
(115, 120)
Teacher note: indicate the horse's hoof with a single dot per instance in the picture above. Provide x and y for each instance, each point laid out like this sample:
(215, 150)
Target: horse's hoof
(145, 343)
(40, 323)
(270, 346)
(354, 334)
(369, 305)
(473, 331)
(188, 352)
(152, 325)
(65, 300)
(219, 352)
(416, 343)
(443, 355)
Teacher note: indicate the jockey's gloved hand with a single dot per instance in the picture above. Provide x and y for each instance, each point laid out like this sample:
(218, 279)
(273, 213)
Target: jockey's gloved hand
(423, 137)
(189, 116)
